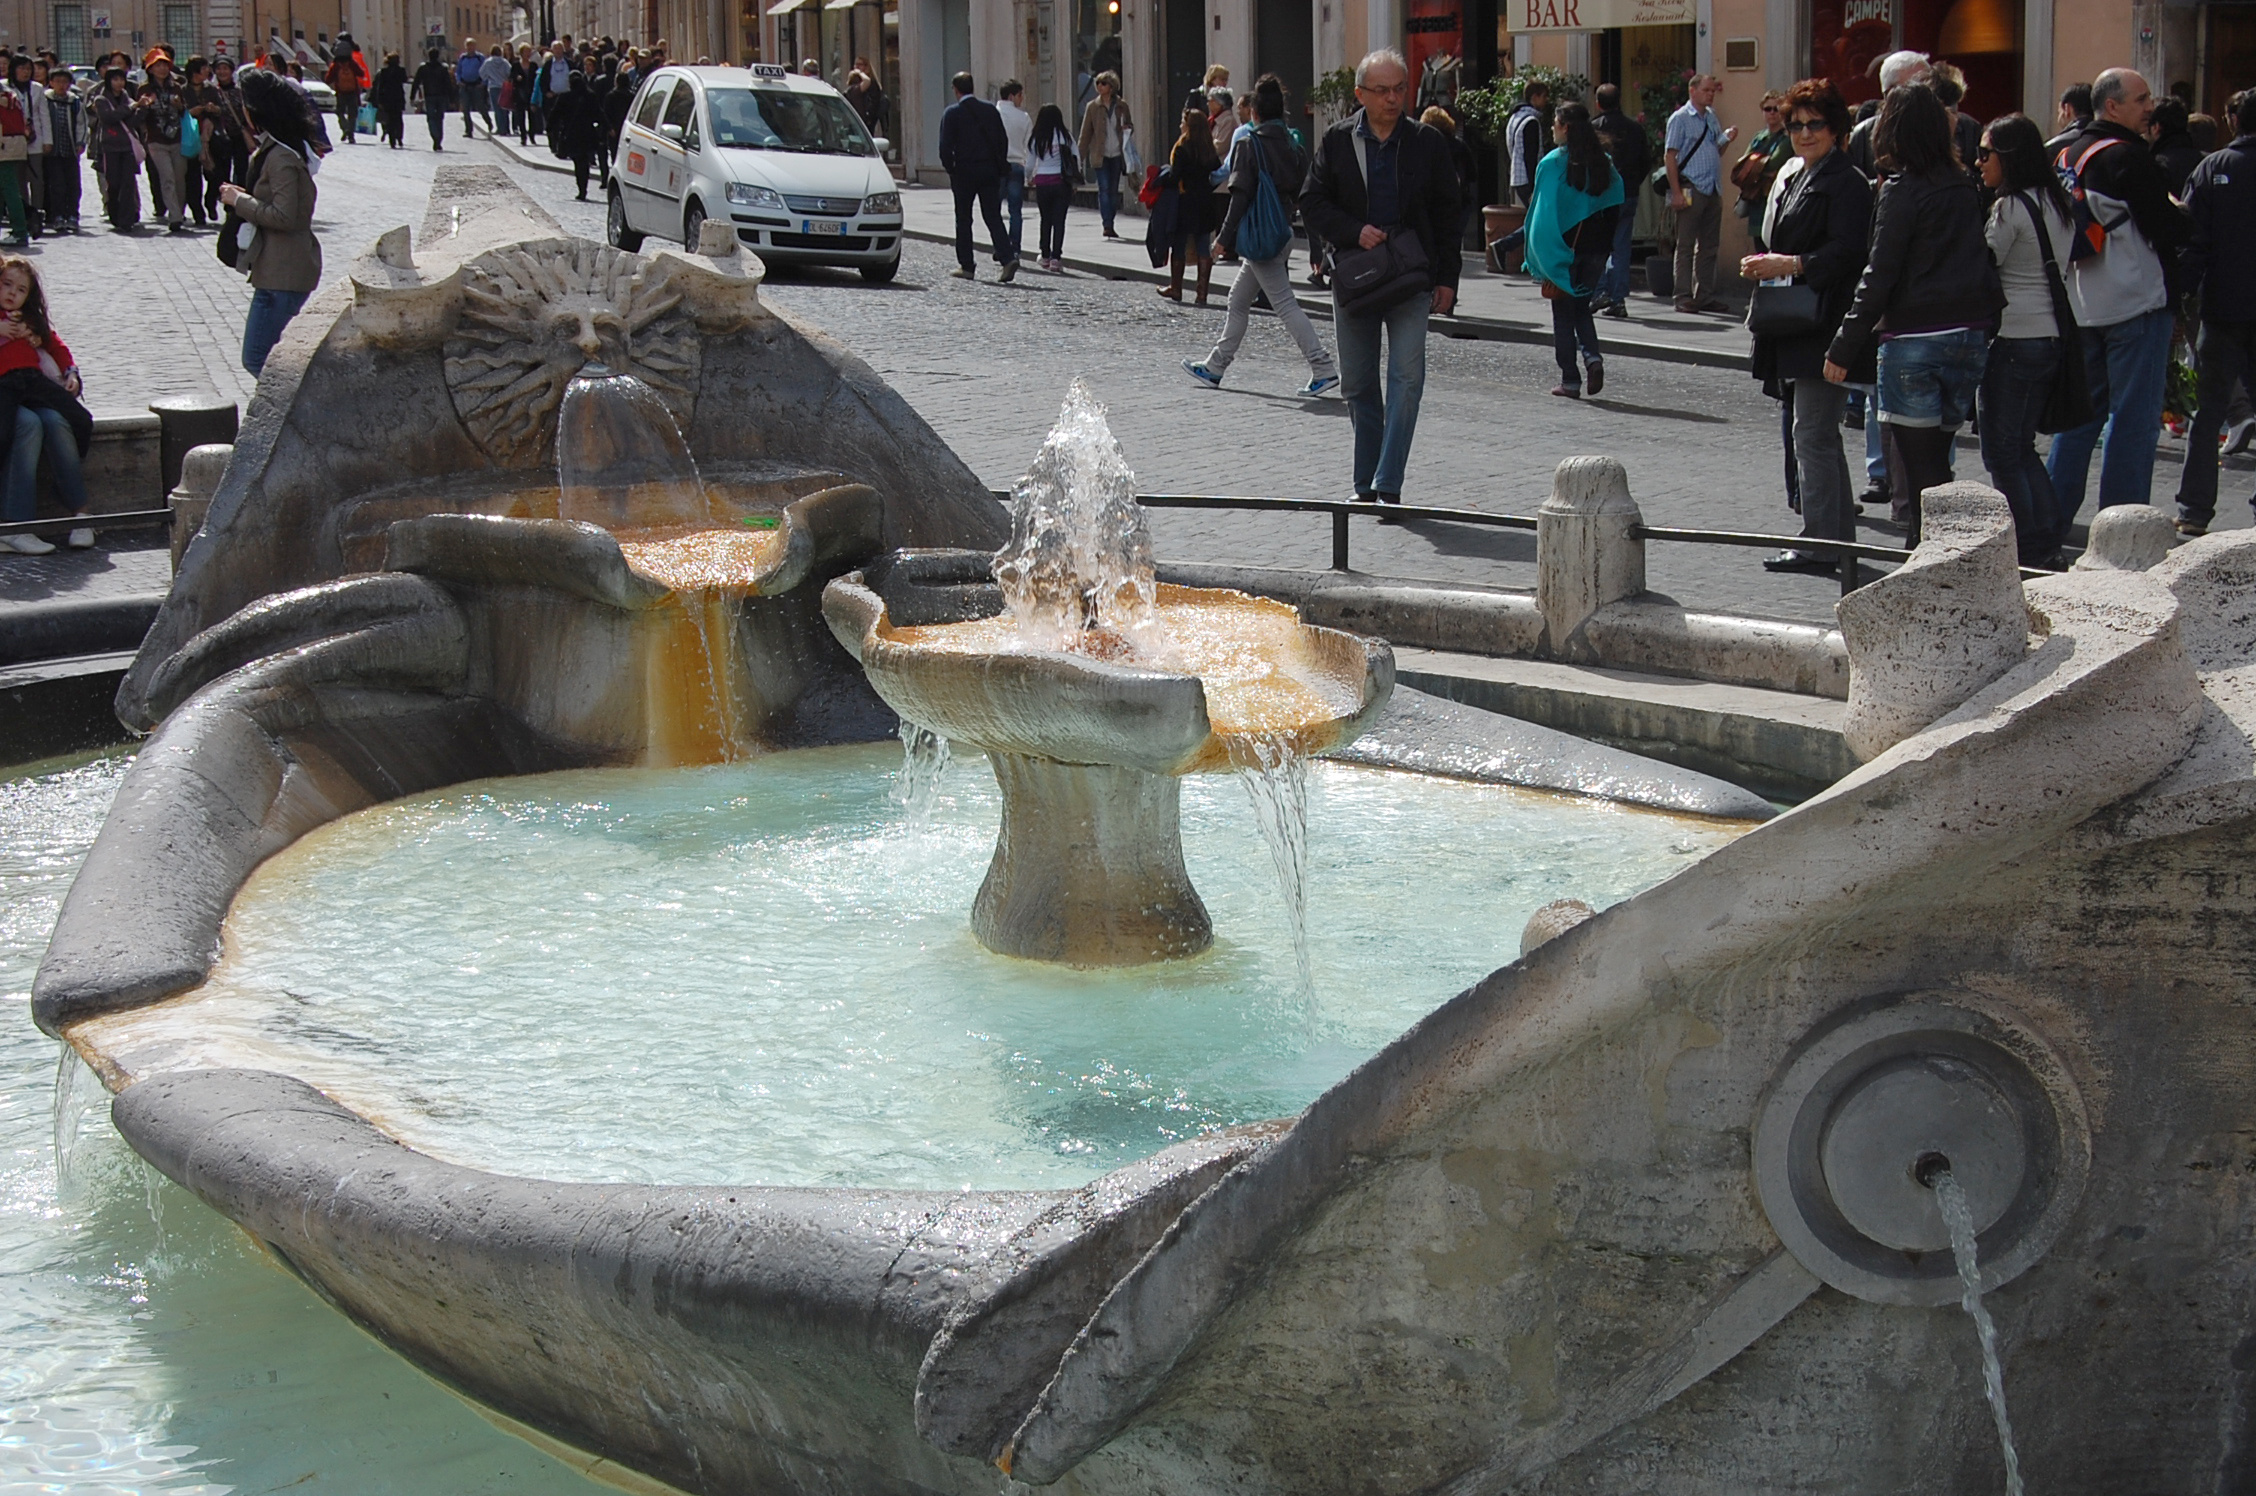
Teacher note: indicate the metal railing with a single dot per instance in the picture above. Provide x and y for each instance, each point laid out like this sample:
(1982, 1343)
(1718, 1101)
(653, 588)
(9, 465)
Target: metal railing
(1847, 552)
(131, 519)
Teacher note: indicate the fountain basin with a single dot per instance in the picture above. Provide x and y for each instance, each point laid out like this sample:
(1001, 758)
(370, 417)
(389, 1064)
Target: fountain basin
(1088, 866)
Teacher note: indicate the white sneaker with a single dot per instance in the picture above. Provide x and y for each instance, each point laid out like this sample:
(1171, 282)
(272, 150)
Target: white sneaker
(26, 545)
(81, 539)
(2237, 438)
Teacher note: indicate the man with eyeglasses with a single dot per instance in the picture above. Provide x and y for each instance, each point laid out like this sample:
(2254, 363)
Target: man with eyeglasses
(1377, 174)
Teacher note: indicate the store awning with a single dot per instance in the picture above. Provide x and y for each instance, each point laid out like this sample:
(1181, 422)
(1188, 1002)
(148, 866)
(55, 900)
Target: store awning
(1598, 15)
(781, 6)
(845, 4)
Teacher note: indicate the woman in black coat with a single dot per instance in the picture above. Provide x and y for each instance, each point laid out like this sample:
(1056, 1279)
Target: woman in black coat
(389, 94)
(1928, 300)
(575, 129)
(1819, 212)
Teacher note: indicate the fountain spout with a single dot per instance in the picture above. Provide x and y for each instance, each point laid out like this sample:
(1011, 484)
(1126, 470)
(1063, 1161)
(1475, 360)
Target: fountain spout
(620, 460)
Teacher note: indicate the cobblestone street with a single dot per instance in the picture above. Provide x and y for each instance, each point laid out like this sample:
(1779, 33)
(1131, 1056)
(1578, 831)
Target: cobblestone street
(987, 365)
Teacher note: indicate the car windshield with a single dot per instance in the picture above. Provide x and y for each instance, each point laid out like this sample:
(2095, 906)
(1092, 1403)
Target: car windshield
(777, 119)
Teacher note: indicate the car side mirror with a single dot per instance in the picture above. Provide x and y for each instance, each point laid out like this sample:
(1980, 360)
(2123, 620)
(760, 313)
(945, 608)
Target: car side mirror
(879, 145)
(674, 133)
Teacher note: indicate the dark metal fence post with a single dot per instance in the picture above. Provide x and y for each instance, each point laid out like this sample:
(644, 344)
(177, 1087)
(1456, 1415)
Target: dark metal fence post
(1339, 540)
(1850, 581)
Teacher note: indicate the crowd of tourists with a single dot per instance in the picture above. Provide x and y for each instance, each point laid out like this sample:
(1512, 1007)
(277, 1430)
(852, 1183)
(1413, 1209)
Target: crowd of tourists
(1923, 265)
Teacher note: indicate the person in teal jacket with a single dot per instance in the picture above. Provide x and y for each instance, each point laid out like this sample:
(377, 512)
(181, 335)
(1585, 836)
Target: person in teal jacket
(1570, 235)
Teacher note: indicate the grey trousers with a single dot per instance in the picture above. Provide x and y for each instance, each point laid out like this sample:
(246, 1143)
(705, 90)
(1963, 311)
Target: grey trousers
(172, 171)
(1273, 276)
(1699, 229)
(1828, 502)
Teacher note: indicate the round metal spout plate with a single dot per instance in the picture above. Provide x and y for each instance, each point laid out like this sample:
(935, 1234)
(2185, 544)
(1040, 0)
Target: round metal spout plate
(1890, 1087)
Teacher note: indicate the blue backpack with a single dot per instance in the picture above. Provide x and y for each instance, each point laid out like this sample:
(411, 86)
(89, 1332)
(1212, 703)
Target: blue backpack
(1265, 232)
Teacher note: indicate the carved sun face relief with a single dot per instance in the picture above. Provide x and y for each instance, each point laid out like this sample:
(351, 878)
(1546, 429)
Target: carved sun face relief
(533, 315)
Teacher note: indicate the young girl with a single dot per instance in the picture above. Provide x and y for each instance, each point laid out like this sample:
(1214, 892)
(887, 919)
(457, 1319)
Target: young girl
(28, 343)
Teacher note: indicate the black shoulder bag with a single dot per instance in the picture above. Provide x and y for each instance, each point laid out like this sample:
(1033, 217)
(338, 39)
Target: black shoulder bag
(229, 248)
(2068, 404)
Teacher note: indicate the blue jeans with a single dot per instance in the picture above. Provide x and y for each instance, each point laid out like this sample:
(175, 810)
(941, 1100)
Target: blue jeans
(2126, 363)
(271, 311)
(1875, 455)
(1930, 381)
(2014, 390)
(1108, 189)
(37, 429)
(1614, 284)
(1014, 199)
(1383, 427)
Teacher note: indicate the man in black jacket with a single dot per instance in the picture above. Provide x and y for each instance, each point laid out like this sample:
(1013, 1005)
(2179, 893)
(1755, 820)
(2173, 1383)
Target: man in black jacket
(1633, 158)
(2221, 195)
(1376, 174)
(976, 152)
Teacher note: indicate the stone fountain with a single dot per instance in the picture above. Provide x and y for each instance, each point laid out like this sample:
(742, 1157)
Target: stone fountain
(1669, 1177)
(1092, 689)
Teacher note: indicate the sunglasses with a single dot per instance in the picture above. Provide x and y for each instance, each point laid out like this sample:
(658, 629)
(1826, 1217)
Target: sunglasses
(1804, 126)
(1983, 153)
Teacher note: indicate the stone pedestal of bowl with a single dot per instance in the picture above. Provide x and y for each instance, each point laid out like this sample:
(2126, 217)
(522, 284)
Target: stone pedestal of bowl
(1088, 866)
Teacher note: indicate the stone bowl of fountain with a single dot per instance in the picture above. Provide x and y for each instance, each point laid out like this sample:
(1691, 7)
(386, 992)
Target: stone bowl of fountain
(1092, 689)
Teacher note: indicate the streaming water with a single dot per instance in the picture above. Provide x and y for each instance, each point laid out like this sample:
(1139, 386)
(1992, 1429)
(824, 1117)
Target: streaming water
(1959, 1217)
(620, 459)
(760, 973)
(924, 763)
(195, 1367)
(1079, 560)
(1275, 775)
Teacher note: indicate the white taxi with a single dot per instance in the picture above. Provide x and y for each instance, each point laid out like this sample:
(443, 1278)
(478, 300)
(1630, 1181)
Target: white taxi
(783, 158)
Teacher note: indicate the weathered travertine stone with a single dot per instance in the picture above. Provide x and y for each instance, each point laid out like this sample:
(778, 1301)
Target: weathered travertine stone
(1553, 920)
(2127, 537)
(1942, 626)
(190, 500)
(1585, 554)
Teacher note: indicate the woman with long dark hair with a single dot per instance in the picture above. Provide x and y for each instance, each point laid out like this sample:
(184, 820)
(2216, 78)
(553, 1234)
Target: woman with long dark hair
(1051, 168)
(1928, 299)
(1576, 197)
(114, 135)
(284, 261)
(2031, 214)
(1191, 170)
(1815, 222)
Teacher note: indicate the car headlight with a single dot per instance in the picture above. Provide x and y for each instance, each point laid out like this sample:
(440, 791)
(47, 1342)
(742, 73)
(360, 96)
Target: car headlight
(746, 195)
(882, 202)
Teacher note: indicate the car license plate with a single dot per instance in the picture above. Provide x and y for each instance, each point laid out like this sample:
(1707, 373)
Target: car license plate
(821, 226)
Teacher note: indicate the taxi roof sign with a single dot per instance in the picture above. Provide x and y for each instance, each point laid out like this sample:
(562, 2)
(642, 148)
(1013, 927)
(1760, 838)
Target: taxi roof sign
(770, 70)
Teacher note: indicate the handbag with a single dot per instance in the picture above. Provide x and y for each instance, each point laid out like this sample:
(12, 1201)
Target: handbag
(1131, 158)
(1793, 310)
(2068, 404)
(1659, 180)
(191, 137)
(1265, 232)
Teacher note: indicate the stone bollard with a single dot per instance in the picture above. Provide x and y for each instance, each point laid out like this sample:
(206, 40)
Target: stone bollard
(190, 421)
(1938, 628)
(190, 500)
(716, 241)
(2127, 537)
(1585, 555)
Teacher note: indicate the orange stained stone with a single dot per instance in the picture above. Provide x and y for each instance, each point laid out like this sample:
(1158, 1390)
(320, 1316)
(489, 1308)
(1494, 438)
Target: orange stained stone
(1263, 671)
(700, 558)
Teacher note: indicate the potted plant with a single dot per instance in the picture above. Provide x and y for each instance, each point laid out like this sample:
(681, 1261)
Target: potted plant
(1485, 110)
(1656, 102)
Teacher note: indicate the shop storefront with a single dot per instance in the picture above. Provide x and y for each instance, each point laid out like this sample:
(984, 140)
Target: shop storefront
(1984, 38)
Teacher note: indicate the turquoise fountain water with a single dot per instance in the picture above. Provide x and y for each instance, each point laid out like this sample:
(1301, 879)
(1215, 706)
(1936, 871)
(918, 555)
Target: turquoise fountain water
(759, 973)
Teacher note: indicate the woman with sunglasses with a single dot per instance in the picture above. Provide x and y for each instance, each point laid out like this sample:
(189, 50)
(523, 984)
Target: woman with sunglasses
(2026, 352)
(1816, 222)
